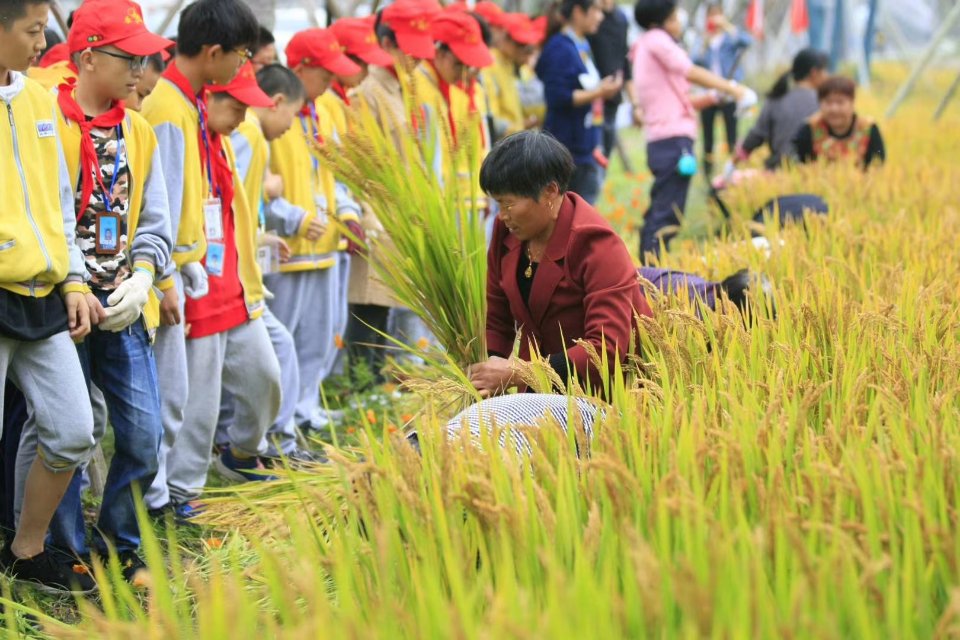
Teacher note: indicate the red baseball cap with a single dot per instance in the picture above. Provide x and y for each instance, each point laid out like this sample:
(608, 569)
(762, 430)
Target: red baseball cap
(319, 48)
(244, 88)
(520, 28)
(461, 32)
(410, 20)
(491, 12)
(98, 23)
(357, 38)
(540, 24)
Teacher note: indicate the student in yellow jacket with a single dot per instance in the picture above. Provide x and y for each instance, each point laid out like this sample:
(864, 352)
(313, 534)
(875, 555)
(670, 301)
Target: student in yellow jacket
(306, 289)
(228, 345)
(123, 230)
(456, 114)
(510, 67)
(213, 40)
(251, 144)
(41, 291)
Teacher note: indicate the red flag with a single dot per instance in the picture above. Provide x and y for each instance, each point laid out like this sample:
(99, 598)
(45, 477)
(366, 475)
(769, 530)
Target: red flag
(799, 17)
(755, 18)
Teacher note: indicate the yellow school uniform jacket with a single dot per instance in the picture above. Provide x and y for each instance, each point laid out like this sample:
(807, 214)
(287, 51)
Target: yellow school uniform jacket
(501, 82)
(336, 110)
(53, 76)
(246, 224)
(311, 186)
(37, 248)
(175, 121)
(258, 151)
(147, 207)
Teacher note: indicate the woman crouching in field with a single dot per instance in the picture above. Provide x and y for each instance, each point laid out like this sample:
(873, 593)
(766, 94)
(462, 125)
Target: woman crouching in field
(557, 272)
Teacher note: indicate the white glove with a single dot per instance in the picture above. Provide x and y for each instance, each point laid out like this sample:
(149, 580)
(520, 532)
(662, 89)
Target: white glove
(126, 303)
(195, 280)
(747, 102)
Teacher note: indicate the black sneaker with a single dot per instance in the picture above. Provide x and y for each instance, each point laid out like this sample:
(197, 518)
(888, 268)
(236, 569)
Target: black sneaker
(298, 458)
(134, 569)
(45, 574)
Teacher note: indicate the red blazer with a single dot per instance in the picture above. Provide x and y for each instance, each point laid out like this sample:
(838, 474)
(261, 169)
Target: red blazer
(586, 288)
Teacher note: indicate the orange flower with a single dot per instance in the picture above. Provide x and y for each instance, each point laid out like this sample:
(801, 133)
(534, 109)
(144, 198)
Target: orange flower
(389, 387)
(371, 416)
(351, 430)
(407, 417)
(338, 341)
(391, 428)
(635, 203)
(214, 543)
(423, 344)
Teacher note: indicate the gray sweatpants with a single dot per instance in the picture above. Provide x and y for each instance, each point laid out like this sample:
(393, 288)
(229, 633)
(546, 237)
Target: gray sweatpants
(49, 375)
(282, 436)
(170, 351)
(341, 309)
(304, 302)
(243, 362)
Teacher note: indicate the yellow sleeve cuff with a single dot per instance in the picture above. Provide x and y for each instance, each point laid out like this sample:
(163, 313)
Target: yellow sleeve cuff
(349, 216)
(166, 284)
(74, 287)
(145, 265)
(304, 224)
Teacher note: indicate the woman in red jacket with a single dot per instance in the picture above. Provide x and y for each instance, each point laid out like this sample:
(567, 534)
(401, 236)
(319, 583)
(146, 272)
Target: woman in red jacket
(557, 272)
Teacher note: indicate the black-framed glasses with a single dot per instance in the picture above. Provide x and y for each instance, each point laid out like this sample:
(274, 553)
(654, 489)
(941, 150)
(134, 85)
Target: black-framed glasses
(136, 63)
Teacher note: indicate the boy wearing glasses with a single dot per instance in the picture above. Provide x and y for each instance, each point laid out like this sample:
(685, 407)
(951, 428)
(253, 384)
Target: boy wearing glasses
(212, 42)
(123, 230)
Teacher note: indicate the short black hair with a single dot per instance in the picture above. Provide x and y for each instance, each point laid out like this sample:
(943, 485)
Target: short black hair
(264, 39)
(13, 10)
(567, 7)
(485, 33)
(650, 14)
(737, 286)
(156, 63)
(276, 78)
(228, 23)
(382, 30)
(524, 164)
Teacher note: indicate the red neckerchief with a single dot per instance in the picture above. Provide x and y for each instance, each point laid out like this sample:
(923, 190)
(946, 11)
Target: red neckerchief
(218, 170)
(341, 91)
(309, 112)
(444, 87)
(470, 88)
(89, 165)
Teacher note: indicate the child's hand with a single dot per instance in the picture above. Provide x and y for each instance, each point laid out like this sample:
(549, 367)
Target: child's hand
(97, 312)
(78, 315)
(273, 186)
(279, 245)
(315, 230)
(170, 308)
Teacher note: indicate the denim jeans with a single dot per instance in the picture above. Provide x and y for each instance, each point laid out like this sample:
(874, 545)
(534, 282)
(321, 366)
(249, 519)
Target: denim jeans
(122, 365)
(668, 195)
(587, 180)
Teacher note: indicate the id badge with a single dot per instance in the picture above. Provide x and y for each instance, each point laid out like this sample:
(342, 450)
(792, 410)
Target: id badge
(108, 234)
(268, 260)
(215, 255)
(213, 218)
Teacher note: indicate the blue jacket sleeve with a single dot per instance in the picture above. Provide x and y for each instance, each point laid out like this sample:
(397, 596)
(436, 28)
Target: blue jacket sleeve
(559, 68)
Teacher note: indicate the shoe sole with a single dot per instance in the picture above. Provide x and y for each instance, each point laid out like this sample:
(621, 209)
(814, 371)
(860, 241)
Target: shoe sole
(53, 591)
(236, 476)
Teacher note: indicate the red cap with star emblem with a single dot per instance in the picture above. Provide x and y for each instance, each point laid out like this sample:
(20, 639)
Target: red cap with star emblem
(244, 88)
(319, 48)
(410, 21)
(98, 23)
(491, 12)
(520, 28)
(357, 38)
(461, 33)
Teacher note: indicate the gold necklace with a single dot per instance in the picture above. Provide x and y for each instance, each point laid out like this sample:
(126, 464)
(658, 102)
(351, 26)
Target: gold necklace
(528, 272)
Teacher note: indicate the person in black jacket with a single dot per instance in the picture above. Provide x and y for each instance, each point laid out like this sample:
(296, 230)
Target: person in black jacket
(610, 51)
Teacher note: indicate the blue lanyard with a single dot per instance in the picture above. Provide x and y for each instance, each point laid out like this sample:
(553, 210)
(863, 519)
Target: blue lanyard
(262, 216)
(202, 111)
(108, 196)
(315, 125)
